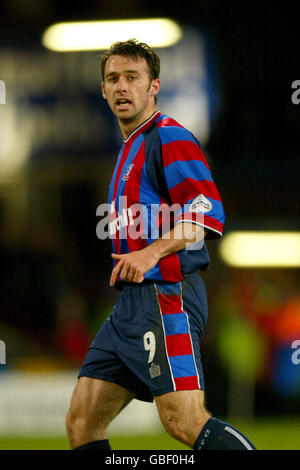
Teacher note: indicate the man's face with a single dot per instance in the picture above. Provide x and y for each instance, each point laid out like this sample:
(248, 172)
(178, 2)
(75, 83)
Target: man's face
(128, 88)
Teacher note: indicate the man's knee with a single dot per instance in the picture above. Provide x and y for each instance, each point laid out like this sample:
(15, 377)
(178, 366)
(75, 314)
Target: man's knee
(75, 421)
(80, 425)
(184, 429)
(183, 414)
(84, 419)
(174, 425)
(94, 404)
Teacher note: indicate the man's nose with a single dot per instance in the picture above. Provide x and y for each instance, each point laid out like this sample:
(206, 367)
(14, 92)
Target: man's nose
(122, 84)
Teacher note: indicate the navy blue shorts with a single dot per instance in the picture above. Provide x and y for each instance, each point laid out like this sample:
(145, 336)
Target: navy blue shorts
(150, 344)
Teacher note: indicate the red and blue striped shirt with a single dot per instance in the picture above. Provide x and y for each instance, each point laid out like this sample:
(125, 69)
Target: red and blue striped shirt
(161, 165)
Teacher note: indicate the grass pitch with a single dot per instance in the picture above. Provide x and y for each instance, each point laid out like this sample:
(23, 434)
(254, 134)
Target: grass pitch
(266, 434)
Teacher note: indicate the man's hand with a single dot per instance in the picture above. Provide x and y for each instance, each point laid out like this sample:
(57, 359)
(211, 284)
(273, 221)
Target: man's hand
(133, 266)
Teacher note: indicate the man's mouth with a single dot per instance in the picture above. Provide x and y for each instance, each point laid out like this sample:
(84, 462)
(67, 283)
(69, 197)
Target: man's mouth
(123, 103)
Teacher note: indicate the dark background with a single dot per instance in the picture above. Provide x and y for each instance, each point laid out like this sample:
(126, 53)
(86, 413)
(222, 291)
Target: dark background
(256, 133)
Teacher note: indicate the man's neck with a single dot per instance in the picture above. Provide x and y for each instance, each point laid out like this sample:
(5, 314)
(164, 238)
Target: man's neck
(127, 127)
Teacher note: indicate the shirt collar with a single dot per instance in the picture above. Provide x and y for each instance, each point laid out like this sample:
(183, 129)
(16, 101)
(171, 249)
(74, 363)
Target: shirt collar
(142, 126)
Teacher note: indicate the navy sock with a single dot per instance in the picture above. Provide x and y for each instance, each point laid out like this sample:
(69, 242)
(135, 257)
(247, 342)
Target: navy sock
(102, 444)
(216, 435)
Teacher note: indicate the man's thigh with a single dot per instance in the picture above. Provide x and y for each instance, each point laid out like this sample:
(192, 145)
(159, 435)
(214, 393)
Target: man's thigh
(98, 402)
(106, 360)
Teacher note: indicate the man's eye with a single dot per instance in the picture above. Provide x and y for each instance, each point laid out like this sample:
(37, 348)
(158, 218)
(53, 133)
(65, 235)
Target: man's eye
(112, 79)
(132, 77)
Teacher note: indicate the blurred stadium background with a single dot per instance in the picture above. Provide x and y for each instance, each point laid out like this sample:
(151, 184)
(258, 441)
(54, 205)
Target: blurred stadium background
(229, 80)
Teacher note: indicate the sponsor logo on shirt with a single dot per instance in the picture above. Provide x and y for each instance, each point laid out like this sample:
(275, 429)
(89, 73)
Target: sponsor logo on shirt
(142, 221)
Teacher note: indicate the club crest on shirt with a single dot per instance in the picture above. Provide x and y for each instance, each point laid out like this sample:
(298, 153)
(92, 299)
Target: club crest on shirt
(125, 177)
(201, 204)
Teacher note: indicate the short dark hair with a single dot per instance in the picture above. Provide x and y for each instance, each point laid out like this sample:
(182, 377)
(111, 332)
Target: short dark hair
(134, 49)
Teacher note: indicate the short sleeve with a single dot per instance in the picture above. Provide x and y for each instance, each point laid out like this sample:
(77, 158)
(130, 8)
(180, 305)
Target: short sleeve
(189, 181)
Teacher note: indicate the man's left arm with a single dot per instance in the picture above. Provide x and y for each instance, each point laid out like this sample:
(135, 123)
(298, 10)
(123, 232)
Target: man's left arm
(133, 266)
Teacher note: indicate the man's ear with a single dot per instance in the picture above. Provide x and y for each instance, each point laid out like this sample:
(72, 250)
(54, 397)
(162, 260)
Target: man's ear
(155, 86)
(103, 91)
